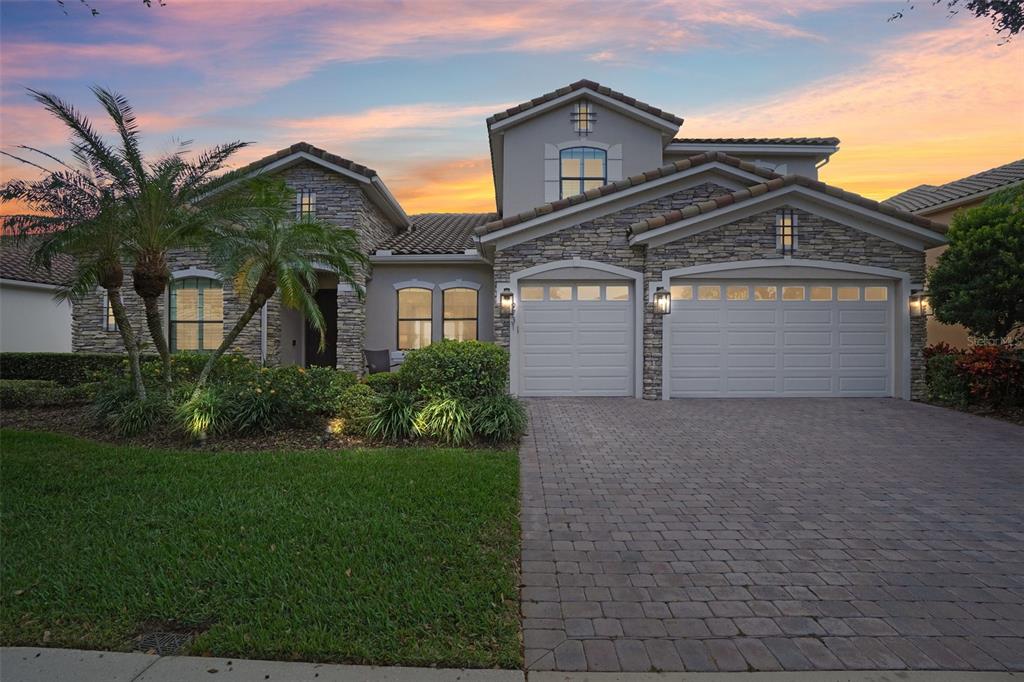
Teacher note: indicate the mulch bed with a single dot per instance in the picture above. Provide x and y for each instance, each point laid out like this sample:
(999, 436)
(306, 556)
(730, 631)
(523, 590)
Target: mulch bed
(75, 420)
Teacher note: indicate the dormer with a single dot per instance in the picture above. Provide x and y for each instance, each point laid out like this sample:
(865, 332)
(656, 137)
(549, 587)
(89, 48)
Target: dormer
(573, 139)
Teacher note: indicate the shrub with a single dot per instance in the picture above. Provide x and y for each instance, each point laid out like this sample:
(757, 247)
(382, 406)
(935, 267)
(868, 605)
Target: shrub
(445, 419)
(395, 417)
(15, 393)
(136, 416)
(995, 375)
(457, 369)
(498, 419)
(203, 413)
(315, 391)
(359, 403)
(258, 406)
(945, 384)
(67, 369)
(383, 382)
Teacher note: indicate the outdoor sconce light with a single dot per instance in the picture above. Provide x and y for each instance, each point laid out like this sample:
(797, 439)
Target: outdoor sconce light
(662, 301)
(506, 302)
(919, 305)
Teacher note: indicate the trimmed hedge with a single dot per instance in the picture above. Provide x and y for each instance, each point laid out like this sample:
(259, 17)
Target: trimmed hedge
(67, 369)
(15, 393)
(455, 369)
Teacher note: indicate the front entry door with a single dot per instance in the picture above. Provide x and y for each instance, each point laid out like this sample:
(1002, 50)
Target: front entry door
(327, 301)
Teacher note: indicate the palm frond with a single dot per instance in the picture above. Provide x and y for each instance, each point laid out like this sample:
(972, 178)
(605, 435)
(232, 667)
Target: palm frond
(123, 115)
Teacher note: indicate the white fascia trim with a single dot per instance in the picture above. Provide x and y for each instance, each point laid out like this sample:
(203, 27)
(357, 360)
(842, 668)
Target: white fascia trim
(390, 202)
(638, 322)
(384, 257)
(28, 285)
(622, 107)
(775, 149)
(196, 272)
(901, 302)
(827, 206)
(621, 195)
(459, 284)
(953, 203)
(414, 284)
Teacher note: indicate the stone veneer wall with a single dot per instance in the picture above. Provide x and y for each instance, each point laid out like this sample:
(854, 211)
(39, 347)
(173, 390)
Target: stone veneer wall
(603, 239)
(340, 201)
(606, 240)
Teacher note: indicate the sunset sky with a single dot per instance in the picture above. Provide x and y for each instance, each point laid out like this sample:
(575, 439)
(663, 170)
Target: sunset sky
(404, 87)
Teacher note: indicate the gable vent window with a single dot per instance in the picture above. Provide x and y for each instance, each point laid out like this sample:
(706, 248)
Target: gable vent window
(583, 117)
(785, 231)
(582, 168)
(305, 204)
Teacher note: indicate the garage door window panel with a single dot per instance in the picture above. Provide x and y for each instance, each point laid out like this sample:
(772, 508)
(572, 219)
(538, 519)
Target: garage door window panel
(766, 293)
(821, 293)
(531, 294)
(588, 293)
(709, 293)
(617, 293)
(737, 293)
(876, 293)
(848, 293)
(792, 293)
(682, 292)
(560, 293)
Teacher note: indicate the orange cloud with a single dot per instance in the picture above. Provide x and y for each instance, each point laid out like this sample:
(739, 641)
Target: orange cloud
(932, 108)
(456, 185)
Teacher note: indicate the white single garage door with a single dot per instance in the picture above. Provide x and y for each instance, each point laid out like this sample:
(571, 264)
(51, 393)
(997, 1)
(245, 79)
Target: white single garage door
(792, 338)
(575, 338)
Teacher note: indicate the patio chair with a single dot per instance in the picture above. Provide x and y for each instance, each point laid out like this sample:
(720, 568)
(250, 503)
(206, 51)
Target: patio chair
(377, 361)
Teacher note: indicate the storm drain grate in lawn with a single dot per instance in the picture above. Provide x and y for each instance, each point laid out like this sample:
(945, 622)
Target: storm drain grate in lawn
(163, 643)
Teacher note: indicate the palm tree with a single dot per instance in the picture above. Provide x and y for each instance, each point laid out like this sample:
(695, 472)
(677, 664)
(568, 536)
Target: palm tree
(267, 251)
(74, 212)
(159, 198)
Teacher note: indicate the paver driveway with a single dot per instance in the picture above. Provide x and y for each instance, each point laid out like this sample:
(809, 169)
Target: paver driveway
(771, 534)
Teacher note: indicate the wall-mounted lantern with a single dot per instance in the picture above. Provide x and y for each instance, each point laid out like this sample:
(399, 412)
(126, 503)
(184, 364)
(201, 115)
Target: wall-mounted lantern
(662, 301)
(919, 304)
(506, 302)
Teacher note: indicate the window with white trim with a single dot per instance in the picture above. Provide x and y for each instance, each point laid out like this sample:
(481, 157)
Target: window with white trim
(580, 169)
(415, 317)
(195, 314)
(459, 314)
(785, 231)
(305, 204)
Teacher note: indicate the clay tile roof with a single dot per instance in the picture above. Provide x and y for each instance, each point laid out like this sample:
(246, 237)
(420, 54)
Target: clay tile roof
(758, 140)
(633, 181)
(925, 196)
(16, 263)
(309, 149)
(775, 184)
(579, 85)
(442, 233)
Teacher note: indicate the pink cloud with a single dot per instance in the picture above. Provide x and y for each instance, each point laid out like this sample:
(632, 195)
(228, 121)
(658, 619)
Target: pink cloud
(929, 108)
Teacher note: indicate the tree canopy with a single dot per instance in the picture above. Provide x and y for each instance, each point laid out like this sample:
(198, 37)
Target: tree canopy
(1007, 16)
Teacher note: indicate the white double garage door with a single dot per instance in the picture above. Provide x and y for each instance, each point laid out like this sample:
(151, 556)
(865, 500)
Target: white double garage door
(729, 338)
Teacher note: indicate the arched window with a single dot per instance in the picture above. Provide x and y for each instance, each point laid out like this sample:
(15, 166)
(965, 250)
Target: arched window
(582, 168)
(459, 311)
(195, 314)
(415, 308)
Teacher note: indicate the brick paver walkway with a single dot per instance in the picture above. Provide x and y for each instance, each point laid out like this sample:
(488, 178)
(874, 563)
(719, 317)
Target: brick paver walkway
(771, 534)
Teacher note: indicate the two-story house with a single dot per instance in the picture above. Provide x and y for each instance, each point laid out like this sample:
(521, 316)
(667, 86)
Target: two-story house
(621, 260)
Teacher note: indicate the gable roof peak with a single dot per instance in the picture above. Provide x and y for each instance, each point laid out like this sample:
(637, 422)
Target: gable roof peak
(586, 84)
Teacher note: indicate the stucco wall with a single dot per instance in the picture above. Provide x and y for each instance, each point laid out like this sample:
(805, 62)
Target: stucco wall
(801, 165)
(523, 164)
(382, 299)
(31, 321)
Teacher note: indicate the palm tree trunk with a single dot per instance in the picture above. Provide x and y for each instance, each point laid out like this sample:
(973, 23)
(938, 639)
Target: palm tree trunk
(256, 301)
(155, 322)
(131, 345)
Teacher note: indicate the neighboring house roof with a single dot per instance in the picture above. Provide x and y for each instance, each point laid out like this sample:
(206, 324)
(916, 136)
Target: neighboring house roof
(773, 185)
(437, 233)
(758, 140)
(633, 181)
(930, 198)
(580, 85)
(16, 263)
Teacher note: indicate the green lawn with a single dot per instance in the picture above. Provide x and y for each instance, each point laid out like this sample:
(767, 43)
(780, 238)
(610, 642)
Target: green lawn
(404, 556)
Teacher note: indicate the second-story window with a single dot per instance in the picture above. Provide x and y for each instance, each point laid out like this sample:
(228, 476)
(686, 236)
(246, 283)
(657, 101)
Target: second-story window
(582, 168)
(305, 204)
(583, 117)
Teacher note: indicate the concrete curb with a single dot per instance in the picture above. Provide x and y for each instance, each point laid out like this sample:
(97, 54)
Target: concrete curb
(35, 664)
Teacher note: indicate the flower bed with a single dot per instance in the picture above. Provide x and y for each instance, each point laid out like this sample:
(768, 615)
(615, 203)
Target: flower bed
(981, 378)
